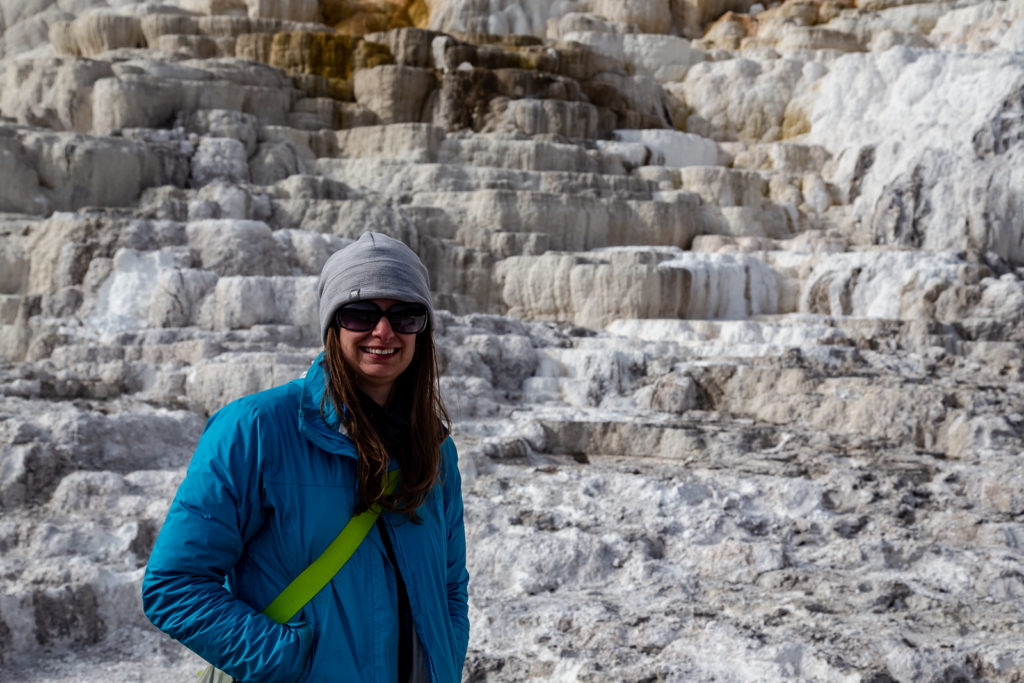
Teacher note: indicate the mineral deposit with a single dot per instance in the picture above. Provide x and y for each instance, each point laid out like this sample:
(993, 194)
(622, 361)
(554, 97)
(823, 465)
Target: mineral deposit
(731, 312)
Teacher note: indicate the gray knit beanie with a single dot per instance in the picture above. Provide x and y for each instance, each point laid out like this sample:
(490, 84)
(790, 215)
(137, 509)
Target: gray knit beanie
(373, 267)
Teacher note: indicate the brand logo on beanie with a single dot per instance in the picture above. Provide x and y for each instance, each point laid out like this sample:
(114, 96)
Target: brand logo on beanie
(354, 294)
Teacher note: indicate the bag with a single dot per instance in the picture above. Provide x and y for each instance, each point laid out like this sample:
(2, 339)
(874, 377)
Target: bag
(317, 575)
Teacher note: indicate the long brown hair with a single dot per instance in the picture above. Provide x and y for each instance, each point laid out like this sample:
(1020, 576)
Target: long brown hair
(428, 420)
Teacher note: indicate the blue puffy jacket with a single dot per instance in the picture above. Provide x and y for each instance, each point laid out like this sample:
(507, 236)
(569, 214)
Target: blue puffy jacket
(269, 487)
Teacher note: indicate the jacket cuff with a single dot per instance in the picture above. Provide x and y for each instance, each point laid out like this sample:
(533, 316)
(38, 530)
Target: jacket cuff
(304, 632)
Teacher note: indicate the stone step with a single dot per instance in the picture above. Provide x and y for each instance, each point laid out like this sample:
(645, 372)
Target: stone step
(425, 142)
(502, 151)
(157, 24)
(697, 442)
(398, 178)
(594, 288)
(783, 157)
(491, 220)
(145, 438)
(414, 142)
(210, 283)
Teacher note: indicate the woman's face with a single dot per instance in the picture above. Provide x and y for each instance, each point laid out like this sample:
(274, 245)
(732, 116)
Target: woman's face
(377, 356)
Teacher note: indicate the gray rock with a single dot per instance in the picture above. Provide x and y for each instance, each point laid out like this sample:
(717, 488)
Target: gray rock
(221, 123)
(394, 93)
(734, 403)
(219, 160)
(275, 161)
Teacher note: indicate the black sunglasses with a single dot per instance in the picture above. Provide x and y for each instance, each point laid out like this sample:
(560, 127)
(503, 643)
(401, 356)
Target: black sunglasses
(363, 316)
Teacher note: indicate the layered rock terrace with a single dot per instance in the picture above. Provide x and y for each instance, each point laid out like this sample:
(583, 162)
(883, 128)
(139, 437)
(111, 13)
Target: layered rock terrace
(732, 320)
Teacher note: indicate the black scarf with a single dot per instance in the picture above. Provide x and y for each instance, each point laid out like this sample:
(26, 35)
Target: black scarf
(391, 423)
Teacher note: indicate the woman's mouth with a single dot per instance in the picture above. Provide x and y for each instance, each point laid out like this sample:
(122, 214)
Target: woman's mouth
(378, 352)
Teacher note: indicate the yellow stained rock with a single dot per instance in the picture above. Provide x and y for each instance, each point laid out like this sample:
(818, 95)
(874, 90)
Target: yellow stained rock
(729, 30)
(321, 54)
(805, 12)
(359, 17)
(419, 13)
(795, 123)
(63, 39)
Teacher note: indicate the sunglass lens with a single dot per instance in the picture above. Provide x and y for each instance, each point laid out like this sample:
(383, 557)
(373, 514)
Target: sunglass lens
(358, 319)
(408, 319)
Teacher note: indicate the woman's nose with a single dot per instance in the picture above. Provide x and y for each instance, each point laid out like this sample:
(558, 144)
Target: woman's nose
(383, 328)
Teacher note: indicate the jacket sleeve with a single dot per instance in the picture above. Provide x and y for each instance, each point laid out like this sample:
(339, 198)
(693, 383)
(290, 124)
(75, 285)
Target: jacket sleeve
(216, 510)
(457, 574)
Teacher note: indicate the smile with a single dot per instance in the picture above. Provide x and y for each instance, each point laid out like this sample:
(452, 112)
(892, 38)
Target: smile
(379, 352)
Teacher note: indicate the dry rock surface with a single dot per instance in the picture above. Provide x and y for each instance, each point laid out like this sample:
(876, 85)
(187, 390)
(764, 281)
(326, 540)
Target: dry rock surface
(732, 327)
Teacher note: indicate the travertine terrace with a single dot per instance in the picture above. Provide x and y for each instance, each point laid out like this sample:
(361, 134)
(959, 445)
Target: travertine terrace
(732, 331)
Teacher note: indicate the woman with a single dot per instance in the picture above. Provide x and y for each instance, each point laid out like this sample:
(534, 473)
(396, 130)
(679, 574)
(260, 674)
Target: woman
(276, 476)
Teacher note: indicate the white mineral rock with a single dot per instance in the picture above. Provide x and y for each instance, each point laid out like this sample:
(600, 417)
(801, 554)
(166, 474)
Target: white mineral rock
(903, 125)
(731, 330)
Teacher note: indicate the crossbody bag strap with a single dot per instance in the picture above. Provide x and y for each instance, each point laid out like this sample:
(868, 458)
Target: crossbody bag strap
(317, 575)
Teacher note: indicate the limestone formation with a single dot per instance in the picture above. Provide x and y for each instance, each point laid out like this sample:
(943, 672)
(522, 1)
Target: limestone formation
(293, 10)
(53, 171)
(753, 111)
(730, 312)
(908, 196)
(54, 93)
(395, 94)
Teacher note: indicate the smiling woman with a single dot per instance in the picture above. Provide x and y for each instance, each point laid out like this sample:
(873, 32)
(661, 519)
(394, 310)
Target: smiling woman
(375, 316)
(277, 474)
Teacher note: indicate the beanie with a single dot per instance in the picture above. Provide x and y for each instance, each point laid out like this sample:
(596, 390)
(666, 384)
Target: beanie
(373, 267)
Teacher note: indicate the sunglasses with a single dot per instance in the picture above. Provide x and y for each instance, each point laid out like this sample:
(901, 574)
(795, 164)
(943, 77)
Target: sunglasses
(363, 316)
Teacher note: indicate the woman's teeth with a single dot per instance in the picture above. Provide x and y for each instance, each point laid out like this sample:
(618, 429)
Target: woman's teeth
(380, 352)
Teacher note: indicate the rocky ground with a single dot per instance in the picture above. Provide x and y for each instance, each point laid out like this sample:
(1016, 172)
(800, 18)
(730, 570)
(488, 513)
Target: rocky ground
(733, 312)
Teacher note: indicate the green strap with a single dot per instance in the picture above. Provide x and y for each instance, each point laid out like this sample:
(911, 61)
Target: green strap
(317, 575)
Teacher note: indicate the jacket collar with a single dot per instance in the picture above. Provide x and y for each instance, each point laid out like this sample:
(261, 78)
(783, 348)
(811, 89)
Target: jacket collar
(326, 430)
